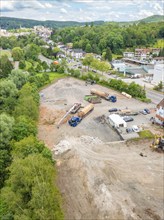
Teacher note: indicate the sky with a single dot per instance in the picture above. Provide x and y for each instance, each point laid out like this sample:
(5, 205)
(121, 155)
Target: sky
(82, 10)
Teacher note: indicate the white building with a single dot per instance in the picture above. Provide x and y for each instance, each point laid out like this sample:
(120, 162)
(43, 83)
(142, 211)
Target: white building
(158, 73)
(76, 53)
(118, 65)
(116, 121)
(159, 117)
(128, 54)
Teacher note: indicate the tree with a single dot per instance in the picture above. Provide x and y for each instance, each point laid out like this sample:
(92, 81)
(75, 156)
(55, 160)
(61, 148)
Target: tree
(32, 189)
(104, 66)
(24, 127)
(6, 131)
(32, 51)
(28, 102)
(55, 51)
(19, 77)
(88, 48)
(22, 64)
(108, 55)
(45, 66)
(8, 94)
(17, 53)
(88, 59)
(5, 67)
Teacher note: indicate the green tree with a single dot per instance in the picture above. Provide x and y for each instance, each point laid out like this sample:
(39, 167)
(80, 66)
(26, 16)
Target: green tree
(55, 51)
(17, 53)
(28, 102)
(22, 64)
(108, 55)
(32, 51)
(8, 94)
(45, 66)
(6, 131)
(23, 128)
(5, 66)
(88, 59)
(19, 77)
(88, 48)
(30, 192)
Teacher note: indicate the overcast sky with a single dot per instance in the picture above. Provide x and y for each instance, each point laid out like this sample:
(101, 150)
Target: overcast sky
(82, 10)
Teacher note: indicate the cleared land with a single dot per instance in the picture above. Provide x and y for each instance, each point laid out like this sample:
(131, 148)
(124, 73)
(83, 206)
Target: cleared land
(100, 176)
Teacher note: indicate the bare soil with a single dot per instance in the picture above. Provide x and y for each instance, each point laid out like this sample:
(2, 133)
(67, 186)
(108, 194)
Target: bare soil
(100, 176)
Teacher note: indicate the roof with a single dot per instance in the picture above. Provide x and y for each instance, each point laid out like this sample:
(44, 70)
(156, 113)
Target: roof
(116, 119)
(158, 58)
(161, 104)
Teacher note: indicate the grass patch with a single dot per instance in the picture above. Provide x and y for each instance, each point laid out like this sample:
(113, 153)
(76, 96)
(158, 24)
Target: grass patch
(146, 134)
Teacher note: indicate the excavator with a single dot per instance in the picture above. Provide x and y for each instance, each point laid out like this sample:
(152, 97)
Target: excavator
(158, 143)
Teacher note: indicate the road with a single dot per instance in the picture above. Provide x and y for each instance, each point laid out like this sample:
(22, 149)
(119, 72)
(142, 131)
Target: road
(43, 58)
(155, 97)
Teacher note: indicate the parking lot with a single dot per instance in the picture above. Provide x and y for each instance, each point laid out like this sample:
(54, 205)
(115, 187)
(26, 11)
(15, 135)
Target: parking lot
(59, 98)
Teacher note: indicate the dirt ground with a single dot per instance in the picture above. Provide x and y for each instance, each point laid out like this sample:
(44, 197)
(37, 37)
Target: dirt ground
(100, 176)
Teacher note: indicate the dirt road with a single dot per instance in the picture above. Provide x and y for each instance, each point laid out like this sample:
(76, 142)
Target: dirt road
(100, 176)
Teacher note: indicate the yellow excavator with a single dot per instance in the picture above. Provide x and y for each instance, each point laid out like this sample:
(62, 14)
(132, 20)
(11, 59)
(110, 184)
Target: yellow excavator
(158, 143)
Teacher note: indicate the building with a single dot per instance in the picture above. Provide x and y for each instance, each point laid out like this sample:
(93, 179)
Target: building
(158, 60)
(158, 74)
(159, 117)
(116, 121)
(142, 54)
(76, 53)
(128, 54)
(118, 65)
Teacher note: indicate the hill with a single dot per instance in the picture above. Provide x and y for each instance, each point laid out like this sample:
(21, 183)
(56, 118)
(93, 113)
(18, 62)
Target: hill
(15, 23)
(154, 18)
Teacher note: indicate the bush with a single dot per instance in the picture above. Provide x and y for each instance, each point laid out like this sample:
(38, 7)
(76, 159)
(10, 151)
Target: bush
(146, 134)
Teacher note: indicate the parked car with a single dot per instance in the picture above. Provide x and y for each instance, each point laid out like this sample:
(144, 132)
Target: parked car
(113, 110)
(147, 110)
(129, 130)
(128, 118)
(143, 112)
(135, 128)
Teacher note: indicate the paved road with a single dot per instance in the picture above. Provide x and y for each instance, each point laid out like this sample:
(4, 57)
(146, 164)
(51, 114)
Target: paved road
(156, 97)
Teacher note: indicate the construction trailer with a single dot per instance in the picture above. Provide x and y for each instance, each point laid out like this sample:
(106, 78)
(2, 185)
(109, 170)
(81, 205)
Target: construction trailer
(104, 95)
(116, 121)
(75, 120)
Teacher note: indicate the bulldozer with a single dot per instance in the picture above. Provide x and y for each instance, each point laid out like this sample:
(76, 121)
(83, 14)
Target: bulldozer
(158, 143)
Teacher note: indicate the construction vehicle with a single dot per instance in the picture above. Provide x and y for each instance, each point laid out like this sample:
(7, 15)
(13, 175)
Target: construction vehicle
(75, 108)
(104, 95)
(158, 143)
(94, 99)
(72, 110)
(75, 120)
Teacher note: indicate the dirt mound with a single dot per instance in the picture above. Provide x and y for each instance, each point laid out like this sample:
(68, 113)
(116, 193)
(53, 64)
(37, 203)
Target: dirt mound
(50, 116)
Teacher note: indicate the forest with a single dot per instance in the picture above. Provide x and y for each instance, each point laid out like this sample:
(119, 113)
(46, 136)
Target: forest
(15, 23)
(27, 168)
(95, 39)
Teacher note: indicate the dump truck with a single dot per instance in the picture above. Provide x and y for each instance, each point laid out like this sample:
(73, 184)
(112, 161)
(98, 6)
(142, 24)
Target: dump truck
(75, 120)
(104, 95)
(94, 99)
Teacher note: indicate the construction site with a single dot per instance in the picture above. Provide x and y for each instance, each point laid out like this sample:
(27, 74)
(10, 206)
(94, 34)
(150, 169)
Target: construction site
(101, 174)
